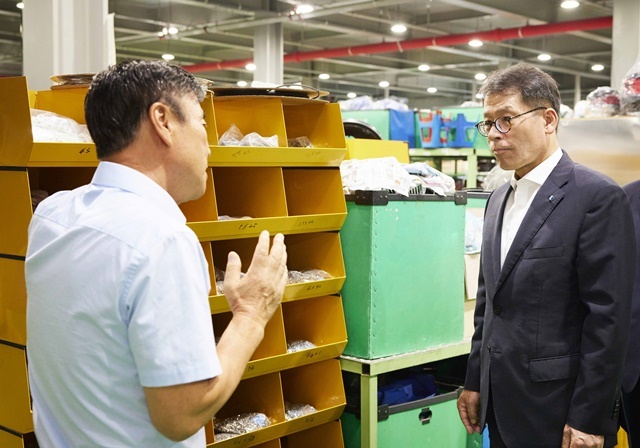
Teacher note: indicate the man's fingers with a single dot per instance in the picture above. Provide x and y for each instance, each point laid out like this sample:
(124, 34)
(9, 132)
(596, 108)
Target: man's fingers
(234, 267)
(566, 437)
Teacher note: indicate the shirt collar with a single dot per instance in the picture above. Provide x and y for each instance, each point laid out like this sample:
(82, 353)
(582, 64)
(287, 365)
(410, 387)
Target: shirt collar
(109, 174)
(540, 173)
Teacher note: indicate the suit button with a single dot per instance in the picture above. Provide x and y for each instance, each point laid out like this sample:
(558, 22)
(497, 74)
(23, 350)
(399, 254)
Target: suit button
(497, 310)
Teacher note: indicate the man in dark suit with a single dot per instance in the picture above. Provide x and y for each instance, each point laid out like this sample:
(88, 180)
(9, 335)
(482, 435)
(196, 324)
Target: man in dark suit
(630, 388)
(555, 284)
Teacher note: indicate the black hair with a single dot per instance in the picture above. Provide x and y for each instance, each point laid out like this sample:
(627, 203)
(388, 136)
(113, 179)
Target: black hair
(119, 98)
(536, 88)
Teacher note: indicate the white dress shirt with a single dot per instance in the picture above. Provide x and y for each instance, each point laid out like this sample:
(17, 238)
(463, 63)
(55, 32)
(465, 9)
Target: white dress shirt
(519, 201)
(117, 289)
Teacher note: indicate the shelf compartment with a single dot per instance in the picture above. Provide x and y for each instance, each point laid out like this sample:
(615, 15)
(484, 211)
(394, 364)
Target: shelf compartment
(262, 394)
(315, 251)
(15, 201)
(254, 114)
(253, 156)
(319, 320)
(203, 208)
(322, 436)
(273, 344)
(15, 406)
(45, 154)
(13, 301)
(257, 192)
(314, 191)
(320, 385)
(210, 119)
(320, 122)
(11, 440)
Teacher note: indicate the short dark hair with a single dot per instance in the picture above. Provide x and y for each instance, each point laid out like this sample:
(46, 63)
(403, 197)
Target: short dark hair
(536, 88)
(119, 98)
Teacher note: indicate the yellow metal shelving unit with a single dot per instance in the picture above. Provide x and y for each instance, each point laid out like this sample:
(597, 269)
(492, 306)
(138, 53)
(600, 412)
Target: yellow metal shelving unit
(295, 191)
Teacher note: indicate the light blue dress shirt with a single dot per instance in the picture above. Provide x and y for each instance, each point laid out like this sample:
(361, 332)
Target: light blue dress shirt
(117, 289)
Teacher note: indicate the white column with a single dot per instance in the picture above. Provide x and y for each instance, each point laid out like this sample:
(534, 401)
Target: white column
(65, 37)
(626, 38)
(577, 90)
(268, 51)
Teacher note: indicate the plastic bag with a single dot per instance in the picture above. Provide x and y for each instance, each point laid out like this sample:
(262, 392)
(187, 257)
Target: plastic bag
(603, 102)
(234, 137)
(295, 410)
(299, 345)
(300, 142)
(51, 127)
(312, 275)
(242, 423)
(630, 91)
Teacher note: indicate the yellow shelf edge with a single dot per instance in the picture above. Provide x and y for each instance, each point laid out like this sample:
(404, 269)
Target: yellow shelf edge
(259, 156)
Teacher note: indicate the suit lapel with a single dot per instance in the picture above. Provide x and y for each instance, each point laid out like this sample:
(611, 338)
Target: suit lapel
(545, 201)
(495, 230)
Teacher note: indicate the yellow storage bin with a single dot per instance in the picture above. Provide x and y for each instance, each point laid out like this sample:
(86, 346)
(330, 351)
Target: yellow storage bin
(13, 301)
(204, 208)
(328, 435)
(313, 191)
(15, 202)
(17, 440)
(15, 405)
(250, 114)
(319, 121)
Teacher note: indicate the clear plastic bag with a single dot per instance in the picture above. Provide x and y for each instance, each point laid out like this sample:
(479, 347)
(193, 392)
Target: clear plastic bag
(51, 127)
(312, 275)
(295, 410)
(299, 345)
(243, 423)
(234, 137)
(603, 102)
(300, 142)
(630, 91)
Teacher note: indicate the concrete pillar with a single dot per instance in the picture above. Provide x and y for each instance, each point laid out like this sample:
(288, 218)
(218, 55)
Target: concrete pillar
(65, 37)
(577, 91)
(268, 52)
(626, 38)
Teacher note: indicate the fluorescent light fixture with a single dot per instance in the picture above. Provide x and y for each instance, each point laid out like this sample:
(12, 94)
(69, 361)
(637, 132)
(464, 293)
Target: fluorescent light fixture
(242, 83)
(172, 30)
(424, 67)
(475, 43)
(351, 95)
(398, 28)
(480, 76)
(303, 9)
(250, 66)
(383, 84)
(324, 76)
(432, 90)
(160, 34)
(569, 4)
(544, 57)
(597, 67)
(168, 57)
(20, 5)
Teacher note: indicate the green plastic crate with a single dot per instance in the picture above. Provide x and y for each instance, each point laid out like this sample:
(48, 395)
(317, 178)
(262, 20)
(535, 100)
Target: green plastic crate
(428, 423)
(404, 259)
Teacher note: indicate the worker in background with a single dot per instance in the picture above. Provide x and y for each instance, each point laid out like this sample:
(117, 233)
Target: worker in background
(630, 387)
(555, 284)
(120, 339)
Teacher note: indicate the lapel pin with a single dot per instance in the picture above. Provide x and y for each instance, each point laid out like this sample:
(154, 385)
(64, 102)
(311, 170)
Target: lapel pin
(551, 198)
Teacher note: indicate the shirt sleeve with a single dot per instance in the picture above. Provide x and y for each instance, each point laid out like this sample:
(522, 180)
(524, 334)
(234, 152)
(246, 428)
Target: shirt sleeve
(169, 320)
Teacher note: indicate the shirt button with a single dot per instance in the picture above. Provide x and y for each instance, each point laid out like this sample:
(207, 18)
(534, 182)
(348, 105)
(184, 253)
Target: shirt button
(497, 310)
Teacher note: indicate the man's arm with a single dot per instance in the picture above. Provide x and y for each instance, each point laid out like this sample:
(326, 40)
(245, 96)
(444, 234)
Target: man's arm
(180, 411)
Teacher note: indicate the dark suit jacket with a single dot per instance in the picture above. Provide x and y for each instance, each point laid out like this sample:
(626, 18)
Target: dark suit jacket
(552, 324)
(632, 364)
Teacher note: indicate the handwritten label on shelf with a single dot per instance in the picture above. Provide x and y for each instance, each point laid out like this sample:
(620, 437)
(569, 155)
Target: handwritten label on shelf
(240, 153)
(84, 151)
(250, 368)
(314, 354)
(313, 287)
(309, 419)
(313, 153)
(248, 226)
(305, 222)
(243, 440)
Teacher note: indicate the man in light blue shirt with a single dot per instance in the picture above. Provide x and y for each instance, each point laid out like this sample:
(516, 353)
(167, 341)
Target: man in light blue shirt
(120, 341)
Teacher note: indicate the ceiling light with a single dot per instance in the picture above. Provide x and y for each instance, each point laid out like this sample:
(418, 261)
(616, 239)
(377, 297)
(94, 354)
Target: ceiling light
(20, 5)
(172, 30)
(242, 83)
(250, 66)
(168, 57)
(480, 76)
(475, 43)
(424, 68)
(569, 4)
(160, 34)
(432, 90)
(303, 9)
(398, 28)
(479, 96)
(324, 76)
(351, 95)
(383, 84)
(544, 57)
(597, 67)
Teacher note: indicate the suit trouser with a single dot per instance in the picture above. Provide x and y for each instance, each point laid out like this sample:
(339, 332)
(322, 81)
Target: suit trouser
(630, 415)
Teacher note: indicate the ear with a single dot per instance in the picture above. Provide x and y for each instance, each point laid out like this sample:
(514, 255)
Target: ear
(160, 117)
(551, 120)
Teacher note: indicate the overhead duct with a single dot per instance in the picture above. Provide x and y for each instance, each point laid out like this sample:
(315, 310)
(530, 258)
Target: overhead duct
(496, 35)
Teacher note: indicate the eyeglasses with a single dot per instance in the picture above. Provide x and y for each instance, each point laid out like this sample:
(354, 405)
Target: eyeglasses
(502, 124)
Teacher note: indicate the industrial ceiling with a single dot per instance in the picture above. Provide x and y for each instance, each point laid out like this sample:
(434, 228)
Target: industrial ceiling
(352, 42)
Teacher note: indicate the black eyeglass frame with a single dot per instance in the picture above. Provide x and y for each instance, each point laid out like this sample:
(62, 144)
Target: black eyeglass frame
(487, 124)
